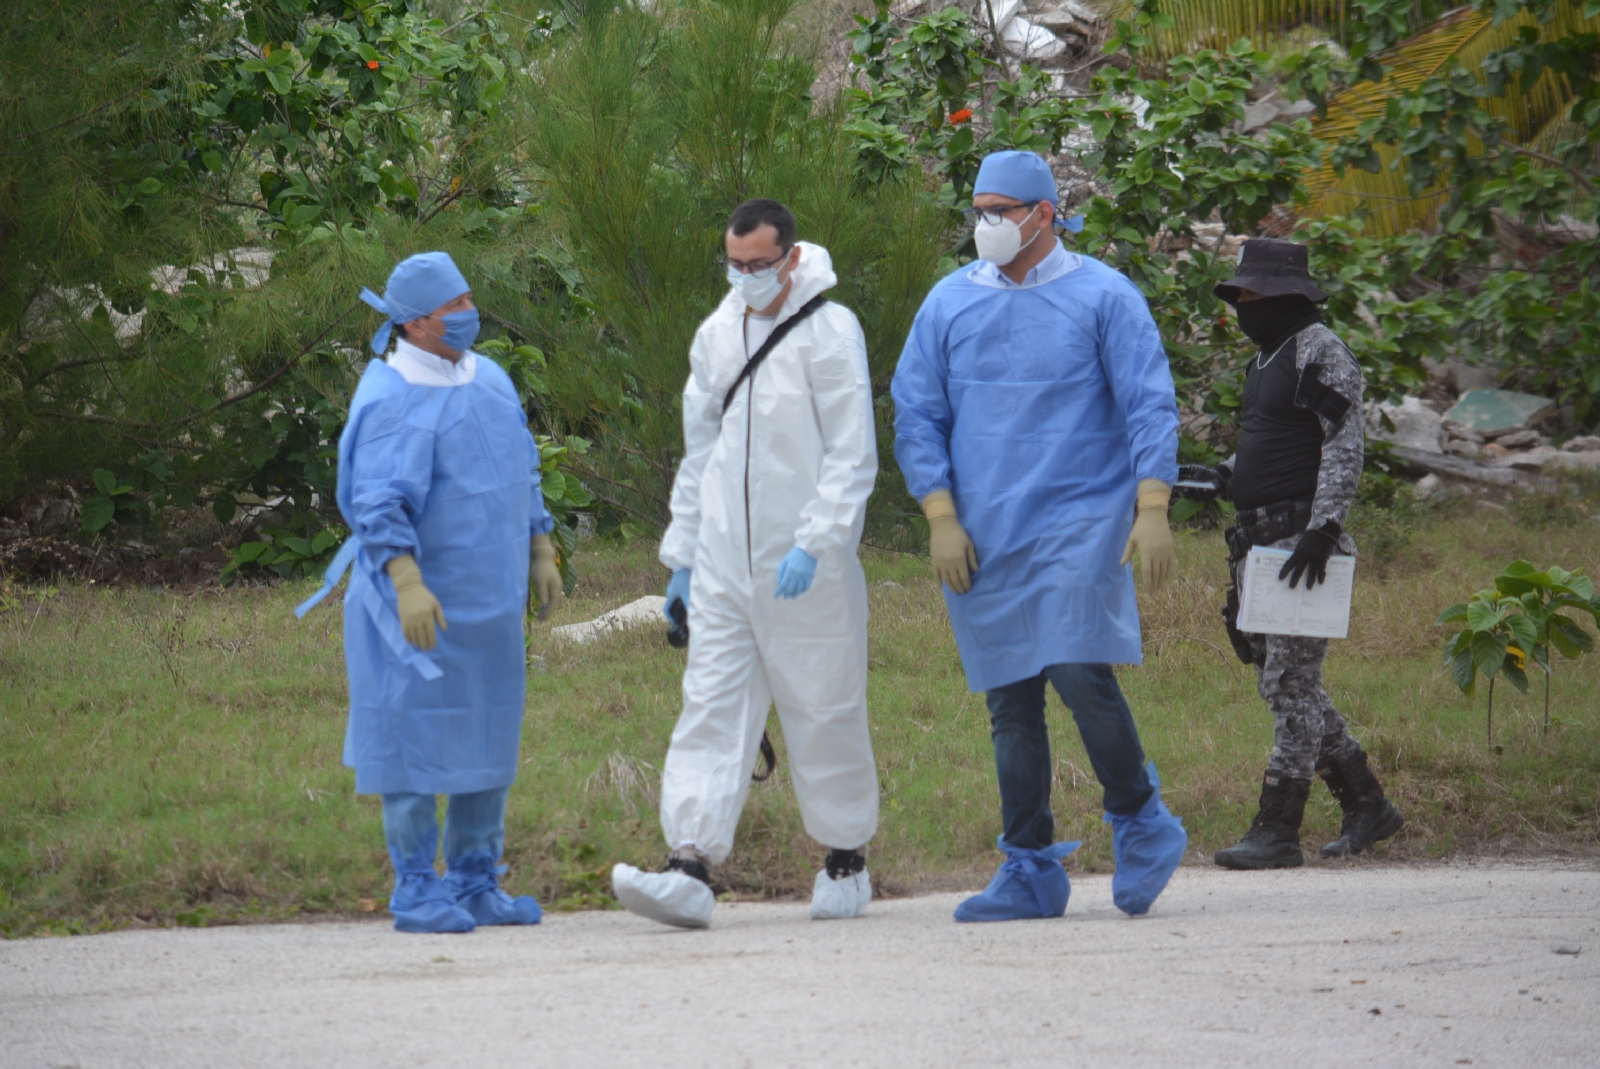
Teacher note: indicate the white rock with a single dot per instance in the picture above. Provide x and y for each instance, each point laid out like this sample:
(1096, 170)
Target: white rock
(1290, 112)
(1586, 443)
(1462, 448)
(1429, 485)
(645, 610)
(1258, 115)
(1528, 460)
(1521, 439)
(1416, 426)
(1027, 41)
(1584, 461)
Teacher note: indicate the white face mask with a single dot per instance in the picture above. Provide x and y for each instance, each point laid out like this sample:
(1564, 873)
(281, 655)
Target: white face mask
(1001, 242)
(758, 289)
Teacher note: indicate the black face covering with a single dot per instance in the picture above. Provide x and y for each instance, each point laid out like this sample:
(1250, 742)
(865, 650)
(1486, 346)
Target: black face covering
(1271, 321)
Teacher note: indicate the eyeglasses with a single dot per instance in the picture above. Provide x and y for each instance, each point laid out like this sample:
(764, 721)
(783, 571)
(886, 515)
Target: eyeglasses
(995, 216)
(759, 268)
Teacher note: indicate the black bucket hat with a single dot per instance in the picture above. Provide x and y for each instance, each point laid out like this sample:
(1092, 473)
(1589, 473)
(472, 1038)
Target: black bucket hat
(1271, 267)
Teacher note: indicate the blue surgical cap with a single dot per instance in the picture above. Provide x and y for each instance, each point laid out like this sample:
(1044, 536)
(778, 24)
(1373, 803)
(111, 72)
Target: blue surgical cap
(417, 286)
(1020, 175)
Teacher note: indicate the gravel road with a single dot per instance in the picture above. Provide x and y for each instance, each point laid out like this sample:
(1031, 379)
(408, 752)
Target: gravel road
(1330, 965)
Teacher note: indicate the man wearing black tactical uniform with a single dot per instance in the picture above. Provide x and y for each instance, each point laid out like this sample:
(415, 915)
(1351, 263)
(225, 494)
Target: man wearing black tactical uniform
(1292, 482)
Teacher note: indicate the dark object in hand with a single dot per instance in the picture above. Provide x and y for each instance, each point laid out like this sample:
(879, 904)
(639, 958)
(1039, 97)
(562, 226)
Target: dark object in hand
(1196, 482)
(678, 624)
(1310, 556)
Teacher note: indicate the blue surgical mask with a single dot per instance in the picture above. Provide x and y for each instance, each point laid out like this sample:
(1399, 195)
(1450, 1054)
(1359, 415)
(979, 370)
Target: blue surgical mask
(460, 329)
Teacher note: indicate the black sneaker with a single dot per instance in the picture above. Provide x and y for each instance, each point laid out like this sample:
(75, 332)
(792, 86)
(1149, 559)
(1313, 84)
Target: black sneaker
(689, 866)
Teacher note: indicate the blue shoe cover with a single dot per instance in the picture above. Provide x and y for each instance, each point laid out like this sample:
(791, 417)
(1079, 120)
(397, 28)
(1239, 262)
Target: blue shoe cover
(1031, 884)
(474, 881)
(1148, 847)
(422, 903)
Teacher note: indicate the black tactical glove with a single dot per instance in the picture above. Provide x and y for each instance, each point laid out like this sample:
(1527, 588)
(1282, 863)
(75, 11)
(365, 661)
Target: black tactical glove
(1310, 556)
(1216, 480)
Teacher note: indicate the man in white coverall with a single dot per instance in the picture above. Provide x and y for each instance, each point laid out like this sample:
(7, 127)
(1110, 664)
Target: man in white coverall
(779, 458)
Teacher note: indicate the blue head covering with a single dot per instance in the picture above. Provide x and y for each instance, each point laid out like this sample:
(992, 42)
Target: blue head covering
(1021, 176)
(417, 286)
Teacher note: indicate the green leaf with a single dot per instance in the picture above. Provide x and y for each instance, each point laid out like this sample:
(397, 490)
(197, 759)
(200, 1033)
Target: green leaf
(1524, 631)
(325, 540)
(1570, 637)
(223, 507)
(96, 513)
(252, 553)
(302, 214)
(1465, 672)
(1488, 653)
(104, 481)
(1484, 615)
(1455, 614)
(1518, 677)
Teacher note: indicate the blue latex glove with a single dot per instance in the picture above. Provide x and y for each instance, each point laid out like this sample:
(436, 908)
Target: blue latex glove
(677, 590)
(795, 573)
(1148, 847)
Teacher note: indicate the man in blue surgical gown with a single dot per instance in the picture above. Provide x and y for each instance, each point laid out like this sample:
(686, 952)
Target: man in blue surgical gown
(439, 482)
(1036, 423)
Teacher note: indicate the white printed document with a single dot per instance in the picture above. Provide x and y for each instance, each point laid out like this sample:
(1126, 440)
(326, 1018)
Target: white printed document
(1268, 606)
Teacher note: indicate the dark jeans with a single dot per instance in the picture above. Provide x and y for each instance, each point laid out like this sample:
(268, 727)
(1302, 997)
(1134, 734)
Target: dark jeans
(1022, 747)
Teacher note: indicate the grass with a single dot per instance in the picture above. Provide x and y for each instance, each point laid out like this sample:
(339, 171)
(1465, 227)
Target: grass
(175, 759)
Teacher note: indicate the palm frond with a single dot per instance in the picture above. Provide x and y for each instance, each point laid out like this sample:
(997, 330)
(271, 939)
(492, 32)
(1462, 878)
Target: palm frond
(1465, 37)
(1218, 24)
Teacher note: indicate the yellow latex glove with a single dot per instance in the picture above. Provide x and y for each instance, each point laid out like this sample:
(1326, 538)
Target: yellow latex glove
(1151, 536)
(544, 578)
(419, 609)
(954, 557)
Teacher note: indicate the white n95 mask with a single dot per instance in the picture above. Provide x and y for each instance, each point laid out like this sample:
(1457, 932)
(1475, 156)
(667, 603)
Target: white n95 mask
(758, 289)
(1001, 242)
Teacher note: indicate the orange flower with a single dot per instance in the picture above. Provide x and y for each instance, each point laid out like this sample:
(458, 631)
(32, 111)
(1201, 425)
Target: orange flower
(964, 115)
(372, 64)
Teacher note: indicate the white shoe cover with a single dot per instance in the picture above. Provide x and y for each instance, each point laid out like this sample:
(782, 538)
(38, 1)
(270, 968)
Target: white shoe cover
(841, 899)
(669, 897)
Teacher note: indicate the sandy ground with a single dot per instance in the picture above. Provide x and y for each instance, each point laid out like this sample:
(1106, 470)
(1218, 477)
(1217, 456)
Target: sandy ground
(1338, 966)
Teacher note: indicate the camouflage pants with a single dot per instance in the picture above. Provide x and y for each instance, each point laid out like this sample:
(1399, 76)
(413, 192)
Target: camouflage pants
(1309, 730)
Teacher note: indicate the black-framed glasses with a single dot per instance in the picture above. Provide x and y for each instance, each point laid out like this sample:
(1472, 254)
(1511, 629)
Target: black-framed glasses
(995, 216)
(754, 267)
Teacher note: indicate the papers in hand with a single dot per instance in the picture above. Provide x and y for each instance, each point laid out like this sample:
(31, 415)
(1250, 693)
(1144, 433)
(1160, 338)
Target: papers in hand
(1268, 606)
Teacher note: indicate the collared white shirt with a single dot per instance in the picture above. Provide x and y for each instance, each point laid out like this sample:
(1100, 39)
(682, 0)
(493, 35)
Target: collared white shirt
(1052, 267)
(421, 368)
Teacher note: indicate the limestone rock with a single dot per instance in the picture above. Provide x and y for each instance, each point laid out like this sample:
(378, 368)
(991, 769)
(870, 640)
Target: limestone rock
(1521, 439)
(1585, 443)
(645, 610)
(1415, 425)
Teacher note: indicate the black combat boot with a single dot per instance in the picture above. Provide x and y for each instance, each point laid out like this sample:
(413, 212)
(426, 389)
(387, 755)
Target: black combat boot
(1273, 841)
(1368, 816)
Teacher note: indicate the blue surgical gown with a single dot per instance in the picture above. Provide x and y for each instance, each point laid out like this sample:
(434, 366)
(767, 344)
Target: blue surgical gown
(450, 475)
(1039, 408)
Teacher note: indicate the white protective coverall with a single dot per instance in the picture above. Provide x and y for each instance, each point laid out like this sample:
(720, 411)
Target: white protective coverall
(790, 463)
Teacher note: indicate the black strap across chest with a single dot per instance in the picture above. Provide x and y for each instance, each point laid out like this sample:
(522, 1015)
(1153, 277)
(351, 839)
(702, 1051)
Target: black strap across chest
(777, 335)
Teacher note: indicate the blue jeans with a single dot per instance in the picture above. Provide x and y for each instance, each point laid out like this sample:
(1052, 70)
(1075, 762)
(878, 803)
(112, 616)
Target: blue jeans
(474, 822)
(1022, 747)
